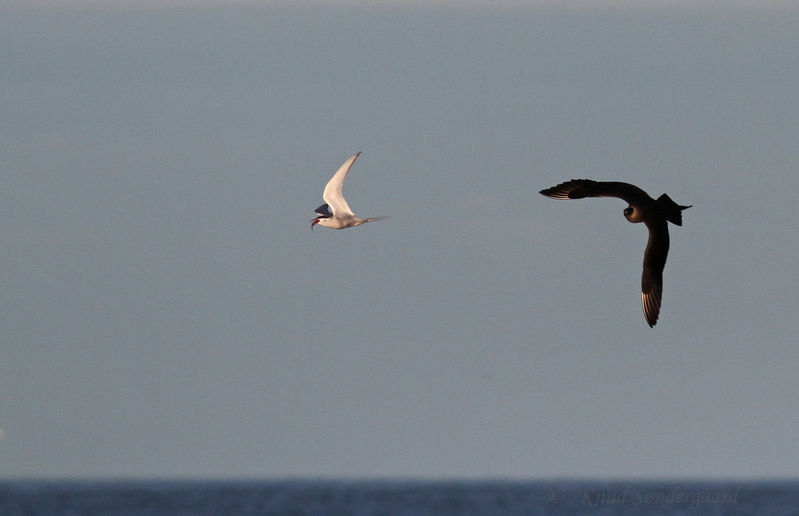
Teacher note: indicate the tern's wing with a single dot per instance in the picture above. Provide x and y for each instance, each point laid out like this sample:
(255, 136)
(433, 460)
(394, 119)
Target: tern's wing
(579, 188)
(332, 194)
(652, 278)
(323, 211)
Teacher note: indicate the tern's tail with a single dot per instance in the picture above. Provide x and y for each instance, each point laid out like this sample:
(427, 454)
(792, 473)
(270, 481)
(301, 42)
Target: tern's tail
(672, 209)
(372, 219)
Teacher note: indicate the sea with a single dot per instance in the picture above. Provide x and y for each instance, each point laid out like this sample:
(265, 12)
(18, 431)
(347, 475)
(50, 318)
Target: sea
(400, 497)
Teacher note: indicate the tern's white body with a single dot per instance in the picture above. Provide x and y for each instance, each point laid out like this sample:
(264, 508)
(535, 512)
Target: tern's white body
(340, 215)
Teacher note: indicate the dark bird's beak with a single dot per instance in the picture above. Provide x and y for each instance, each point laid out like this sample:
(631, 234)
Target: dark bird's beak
(314, 222)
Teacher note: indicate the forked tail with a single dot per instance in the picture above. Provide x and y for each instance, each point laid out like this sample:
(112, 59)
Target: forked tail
(672, 210)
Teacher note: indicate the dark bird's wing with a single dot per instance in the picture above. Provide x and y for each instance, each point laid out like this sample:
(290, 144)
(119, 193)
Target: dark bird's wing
(652, 278)
(580, 188)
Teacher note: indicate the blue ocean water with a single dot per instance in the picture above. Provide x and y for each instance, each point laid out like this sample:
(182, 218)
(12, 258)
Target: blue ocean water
(373, 497)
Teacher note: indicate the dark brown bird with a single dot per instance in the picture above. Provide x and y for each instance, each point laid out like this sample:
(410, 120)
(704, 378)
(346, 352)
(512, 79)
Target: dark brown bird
(655, 213)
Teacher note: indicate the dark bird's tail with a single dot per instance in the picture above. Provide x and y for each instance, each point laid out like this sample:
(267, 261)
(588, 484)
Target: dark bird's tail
(672, 210)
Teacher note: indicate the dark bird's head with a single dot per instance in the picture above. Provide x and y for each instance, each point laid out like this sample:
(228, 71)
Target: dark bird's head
(632, 214)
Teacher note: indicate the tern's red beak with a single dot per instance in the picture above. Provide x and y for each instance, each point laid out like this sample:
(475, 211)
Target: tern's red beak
(314, 222)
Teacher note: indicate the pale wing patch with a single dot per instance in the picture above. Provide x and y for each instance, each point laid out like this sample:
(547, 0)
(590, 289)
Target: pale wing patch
(650, 302)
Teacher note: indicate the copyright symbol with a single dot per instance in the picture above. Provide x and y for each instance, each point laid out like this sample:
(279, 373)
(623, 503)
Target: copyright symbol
(556, 495)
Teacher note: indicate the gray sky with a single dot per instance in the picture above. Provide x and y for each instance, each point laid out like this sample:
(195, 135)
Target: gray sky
(166, 310)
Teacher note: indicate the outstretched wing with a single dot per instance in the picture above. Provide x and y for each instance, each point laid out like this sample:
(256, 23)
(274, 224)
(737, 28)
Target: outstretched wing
(580, 188)
(323, 211)
(332, 194)
(652, 277)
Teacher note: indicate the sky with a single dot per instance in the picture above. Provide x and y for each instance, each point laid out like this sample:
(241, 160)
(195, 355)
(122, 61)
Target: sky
(168, 312)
